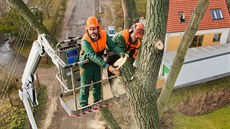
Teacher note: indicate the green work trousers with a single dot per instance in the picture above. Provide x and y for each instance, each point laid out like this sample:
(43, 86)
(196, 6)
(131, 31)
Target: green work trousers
(91, 72)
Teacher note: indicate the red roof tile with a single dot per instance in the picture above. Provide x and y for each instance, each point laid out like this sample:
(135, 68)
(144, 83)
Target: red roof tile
(187, 6)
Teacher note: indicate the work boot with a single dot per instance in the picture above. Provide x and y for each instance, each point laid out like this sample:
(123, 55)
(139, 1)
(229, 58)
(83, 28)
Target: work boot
(96, 106)
(84, 110)
(87, 109)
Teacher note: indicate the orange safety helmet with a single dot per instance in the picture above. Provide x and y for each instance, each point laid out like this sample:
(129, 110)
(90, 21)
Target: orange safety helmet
(139, 30)
(92, 22)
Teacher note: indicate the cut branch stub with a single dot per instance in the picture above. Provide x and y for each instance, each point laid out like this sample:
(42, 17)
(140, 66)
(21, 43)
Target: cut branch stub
(159, 45)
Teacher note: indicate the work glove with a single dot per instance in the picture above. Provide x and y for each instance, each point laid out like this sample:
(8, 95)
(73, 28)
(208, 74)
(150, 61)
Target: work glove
(113, 70)
(123, 55)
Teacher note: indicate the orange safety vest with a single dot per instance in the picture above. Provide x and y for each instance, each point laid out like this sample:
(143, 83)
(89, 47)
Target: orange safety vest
(132, 48)
(98, 45)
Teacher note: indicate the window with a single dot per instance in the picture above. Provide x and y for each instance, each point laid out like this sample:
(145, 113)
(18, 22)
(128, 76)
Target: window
(216, 14)
(197, 41)
(216, 37)
(182, 17)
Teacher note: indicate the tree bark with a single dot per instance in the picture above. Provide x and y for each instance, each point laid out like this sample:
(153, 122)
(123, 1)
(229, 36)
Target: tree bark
(140, 90)
(109, 118)
(45, 5)
(228, 5)
(180, 54)
(31, 18)
(130, 13)
(11, 102)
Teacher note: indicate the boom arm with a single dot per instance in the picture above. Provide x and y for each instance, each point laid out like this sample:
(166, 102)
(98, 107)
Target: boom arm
(27, 92)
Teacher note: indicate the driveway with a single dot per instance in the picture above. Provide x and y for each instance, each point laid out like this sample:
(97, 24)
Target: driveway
(77, 11)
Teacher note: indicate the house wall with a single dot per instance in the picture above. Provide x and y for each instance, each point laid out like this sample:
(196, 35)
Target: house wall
(173, 42)
(173, 39)
(203, 69)
(228, 40)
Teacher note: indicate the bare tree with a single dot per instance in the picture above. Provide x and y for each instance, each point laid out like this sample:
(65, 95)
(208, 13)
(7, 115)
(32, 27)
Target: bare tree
(140, 87)
(140, 91)
(181, 52)
(228, 5)
(45, 5)
(30, 18)
(130, 13)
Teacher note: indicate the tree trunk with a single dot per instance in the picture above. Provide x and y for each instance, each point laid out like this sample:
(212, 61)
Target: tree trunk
(228, 5)
(31, 18)
(141, 89)
(109, 118)
(130, 13)
(11, 101)
(47, 7)
(180, 54)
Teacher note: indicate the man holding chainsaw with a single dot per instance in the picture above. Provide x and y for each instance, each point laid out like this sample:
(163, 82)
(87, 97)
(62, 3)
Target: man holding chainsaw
(93, 45)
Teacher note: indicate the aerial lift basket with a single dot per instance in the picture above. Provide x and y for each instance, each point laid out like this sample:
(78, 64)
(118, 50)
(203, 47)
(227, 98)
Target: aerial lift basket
(70, 80)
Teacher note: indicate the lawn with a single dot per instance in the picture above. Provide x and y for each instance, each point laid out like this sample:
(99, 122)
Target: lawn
(175, 119)
(218, 119)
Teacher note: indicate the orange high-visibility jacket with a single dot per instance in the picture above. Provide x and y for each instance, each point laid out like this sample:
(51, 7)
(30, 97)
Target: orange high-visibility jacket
(98, 45)
(132, 48)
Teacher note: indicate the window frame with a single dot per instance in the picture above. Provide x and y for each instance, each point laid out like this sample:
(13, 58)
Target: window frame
(182, 16)
(198, 39)
(216, 14)
(216, 40)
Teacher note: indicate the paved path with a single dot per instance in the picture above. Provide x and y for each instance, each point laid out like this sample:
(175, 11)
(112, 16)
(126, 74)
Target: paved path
(80, 10)
(74, 25)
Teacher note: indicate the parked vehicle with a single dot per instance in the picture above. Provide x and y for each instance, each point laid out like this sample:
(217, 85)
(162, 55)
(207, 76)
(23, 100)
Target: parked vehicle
(111, 31)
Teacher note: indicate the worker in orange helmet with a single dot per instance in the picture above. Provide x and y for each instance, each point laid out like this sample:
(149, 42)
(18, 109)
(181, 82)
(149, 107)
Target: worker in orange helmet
(129, 40)
(93, 45)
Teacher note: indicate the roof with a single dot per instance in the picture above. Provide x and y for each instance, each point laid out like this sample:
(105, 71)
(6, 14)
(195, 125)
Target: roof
(187, 6)
(198, 53)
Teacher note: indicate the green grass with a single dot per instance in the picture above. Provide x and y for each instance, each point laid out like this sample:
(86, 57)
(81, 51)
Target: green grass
(219, 119)
(26, 49)
(55, 5)
(48, 23)
(186, 92)
(12, 117)
(15, 117)
(39, 111)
